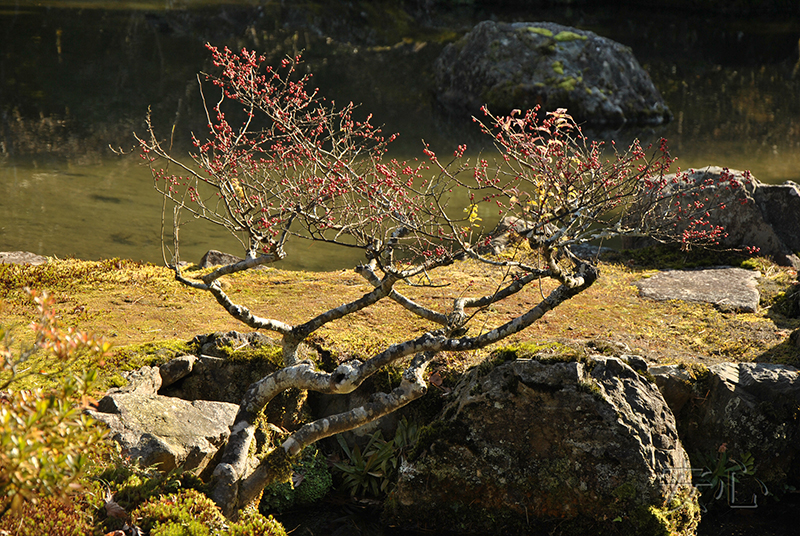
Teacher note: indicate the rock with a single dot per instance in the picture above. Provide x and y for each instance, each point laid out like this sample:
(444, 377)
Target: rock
(756, 214)
(216, 377)
(529, 446)
(143, 381)
(747, 407)
(220, 344)
(21, 257)
(521, 65)
(507, 233)
(176, 369)
(218, 258)
(780, 207)
(167, 431)
(730, 289)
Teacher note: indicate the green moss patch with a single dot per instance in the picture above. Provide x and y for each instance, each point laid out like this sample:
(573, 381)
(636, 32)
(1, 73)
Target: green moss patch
(566, 36)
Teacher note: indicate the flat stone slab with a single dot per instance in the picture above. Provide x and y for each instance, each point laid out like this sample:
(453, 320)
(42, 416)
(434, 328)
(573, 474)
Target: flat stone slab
(21, 257)
(730, 289)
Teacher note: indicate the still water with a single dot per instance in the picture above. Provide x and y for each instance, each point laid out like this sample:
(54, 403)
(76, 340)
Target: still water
(77, 78)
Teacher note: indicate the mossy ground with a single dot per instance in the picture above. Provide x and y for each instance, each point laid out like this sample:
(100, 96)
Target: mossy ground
(149, 317)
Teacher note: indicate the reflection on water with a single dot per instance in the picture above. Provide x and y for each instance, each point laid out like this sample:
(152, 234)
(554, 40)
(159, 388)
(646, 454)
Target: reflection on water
(74, 81)
(110, 209)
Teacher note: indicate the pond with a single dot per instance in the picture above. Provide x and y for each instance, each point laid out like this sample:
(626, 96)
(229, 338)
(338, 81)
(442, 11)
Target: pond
(76, 78)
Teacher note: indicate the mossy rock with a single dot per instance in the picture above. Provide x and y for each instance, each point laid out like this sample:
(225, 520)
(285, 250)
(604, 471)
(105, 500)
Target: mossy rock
(311, 481)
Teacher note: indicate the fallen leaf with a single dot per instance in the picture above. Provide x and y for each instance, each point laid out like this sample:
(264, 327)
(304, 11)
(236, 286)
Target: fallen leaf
(113, 509)
(435, 379)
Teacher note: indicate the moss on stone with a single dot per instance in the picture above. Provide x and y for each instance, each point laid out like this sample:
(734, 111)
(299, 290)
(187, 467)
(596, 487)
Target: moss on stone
(263, 353)
(592, 388)
(558, 67)
(566, 36)
(428, 435)
(569, 83)
(312, 483)
(541, 31)
(679, 516)
(151, 354)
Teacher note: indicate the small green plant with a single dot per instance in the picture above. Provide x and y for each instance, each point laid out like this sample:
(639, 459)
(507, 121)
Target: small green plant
(719, 474)
(373, 471)
(44, 436)
(187, 512)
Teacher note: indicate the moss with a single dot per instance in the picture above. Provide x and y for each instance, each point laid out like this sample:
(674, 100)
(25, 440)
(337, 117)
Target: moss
(64, 275)
(116, 380)
(566, 36)
(568, 84)
(646, 375)
(558, 67)
(625, 491)
(548, 351)
(263, 353)
(278, 464)
(151, 354)
(671, 256)
(591, 387)
(312, 483)
(428, 435)
(698, 372)
(388, 378)
(540, 31)
(680, 515)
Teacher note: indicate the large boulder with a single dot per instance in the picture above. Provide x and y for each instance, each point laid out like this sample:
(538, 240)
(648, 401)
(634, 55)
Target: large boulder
(179, 414)
(521, 65)
(528, 446)
(741, 409)
(755, 214)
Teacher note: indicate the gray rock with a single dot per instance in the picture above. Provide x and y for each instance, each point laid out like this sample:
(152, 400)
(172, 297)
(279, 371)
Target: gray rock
(213, 376)
(176, 369)
(757, 215)
(167, 431)
(730, 289)
(780, 207)
(143, 381)
(530, 445)
(21, 257)
(748, 407)
(520, 65)
(218, 258)
(511, 230)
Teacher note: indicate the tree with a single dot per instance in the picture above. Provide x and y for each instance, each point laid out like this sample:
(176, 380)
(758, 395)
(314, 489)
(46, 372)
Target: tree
(291, 166)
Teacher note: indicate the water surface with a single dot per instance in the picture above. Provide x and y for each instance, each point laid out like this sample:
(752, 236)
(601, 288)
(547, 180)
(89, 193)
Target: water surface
(75, 80)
